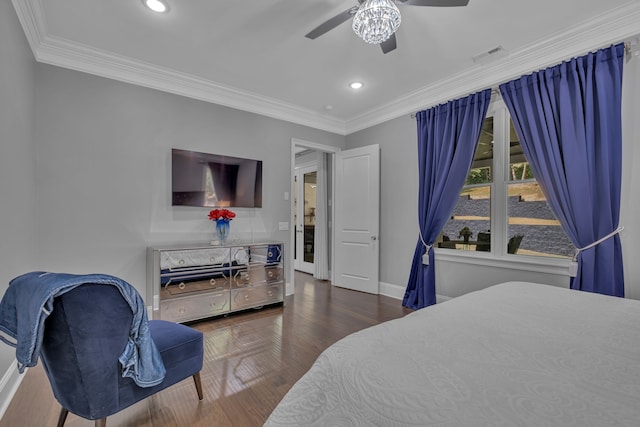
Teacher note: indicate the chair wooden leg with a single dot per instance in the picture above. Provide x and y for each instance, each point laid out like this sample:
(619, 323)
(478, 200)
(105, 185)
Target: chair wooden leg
(102, 422)
(62, 417)
(196, 379)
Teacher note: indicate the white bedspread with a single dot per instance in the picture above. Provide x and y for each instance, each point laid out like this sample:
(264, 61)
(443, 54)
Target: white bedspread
(515, 354)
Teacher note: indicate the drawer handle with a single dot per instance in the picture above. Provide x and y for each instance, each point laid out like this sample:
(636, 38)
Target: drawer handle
(212, 281)
(242, 277)
(213, 304)
(181, 262)
(246, 297)
(182, 310)
(270, 254)
(270, 293)
(181, 286)
(270, 274)
(213, 260)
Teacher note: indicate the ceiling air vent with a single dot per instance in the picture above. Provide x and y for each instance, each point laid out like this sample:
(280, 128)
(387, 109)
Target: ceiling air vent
(490, 55)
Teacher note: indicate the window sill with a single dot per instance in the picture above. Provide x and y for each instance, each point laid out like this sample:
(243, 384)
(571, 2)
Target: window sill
(512, 262)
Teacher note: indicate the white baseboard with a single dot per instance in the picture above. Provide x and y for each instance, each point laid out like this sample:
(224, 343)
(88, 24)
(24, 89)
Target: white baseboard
(391, 290)
(397, 292)
(8, 386)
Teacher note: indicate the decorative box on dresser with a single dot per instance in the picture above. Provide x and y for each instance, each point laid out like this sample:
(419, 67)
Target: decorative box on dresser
(197, 281)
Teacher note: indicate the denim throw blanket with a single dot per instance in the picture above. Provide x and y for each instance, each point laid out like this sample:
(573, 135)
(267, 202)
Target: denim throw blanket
(29, 300)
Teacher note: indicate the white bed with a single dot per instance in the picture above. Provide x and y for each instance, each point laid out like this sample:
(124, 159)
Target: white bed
(515, 354)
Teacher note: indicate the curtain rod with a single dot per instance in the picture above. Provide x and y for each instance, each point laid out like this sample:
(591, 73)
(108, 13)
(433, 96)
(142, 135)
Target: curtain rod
(494, 91)
(631, 48)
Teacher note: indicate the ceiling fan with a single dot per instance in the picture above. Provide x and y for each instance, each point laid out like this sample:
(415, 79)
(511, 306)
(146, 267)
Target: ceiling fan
(378, 13)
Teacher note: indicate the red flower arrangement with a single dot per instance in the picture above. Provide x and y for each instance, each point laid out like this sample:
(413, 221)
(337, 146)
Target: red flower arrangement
(221, 214)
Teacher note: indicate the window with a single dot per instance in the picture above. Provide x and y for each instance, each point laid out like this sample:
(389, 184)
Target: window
(501, 208)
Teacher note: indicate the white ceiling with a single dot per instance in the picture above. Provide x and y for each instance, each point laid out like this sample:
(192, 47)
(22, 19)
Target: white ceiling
(252, 54)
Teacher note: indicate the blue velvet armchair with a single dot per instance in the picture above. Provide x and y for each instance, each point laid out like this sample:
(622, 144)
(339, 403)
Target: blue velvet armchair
(84, 336)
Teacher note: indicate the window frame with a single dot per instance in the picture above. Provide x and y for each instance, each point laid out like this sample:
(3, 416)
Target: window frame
(499, 186)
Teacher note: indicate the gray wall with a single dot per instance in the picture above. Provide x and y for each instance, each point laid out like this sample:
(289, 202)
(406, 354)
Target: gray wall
(398, 199)
(17, 177)
(18, 213)
(103, 170)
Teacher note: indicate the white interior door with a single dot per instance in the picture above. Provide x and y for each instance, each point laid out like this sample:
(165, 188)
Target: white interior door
(357, 217)
(305, 206)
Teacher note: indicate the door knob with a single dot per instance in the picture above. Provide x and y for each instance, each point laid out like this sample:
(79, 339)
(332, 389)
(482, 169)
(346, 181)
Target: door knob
(374, 238)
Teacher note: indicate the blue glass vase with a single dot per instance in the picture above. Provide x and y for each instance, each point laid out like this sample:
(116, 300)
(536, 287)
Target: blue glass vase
(222, 229)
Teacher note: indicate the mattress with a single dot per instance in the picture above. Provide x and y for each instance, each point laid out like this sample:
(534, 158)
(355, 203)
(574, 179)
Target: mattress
(515, 354)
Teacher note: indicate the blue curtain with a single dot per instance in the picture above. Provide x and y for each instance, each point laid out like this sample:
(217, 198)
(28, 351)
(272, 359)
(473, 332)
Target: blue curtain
(569, 121)
(447, 138)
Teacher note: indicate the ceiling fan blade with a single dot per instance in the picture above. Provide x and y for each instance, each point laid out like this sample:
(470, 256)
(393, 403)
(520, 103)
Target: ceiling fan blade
(442, 3)
(389, 44)
(332, 23)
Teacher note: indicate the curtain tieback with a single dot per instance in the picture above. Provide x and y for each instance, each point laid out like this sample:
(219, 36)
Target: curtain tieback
(573, 267)
(425, 257)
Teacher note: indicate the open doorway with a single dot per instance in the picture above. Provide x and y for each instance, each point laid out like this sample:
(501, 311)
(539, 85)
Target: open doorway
(312, 167)
(305, 184)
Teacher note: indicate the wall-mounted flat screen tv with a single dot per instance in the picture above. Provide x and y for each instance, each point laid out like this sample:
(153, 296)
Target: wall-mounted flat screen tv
(212, 180)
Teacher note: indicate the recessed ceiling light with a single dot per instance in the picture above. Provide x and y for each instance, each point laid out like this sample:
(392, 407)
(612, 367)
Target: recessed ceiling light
(159, 6)
(356, 85)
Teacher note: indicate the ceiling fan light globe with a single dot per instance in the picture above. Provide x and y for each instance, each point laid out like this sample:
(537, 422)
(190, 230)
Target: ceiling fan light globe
(376, 20)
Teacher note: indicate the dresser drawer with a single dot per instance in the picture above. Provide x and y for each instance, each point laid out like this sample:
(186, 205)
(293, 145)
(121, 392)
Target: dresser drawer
(194, 307)
(172, 260)
(256, 296)
(273, 273)
(266, 254)
(256, 275)
(181, 288)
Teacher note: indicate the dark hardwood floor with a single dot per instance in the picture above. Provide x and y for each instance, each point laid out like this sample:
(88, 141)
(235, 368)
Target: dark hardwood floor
(251, 360)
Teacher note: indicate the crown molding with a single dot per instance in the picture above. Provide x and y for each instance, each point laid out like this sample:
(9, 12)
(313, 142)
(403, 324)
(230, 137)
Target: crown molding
(617, 25)
(31, 17)
(73, 55)
(614, 26)
(76, 56)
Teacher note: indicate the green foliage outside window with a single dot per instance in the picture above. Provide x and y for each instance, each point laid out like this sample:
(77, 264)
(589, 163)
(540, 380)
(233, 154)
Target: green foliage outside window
(478, 176)
(520, 171)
